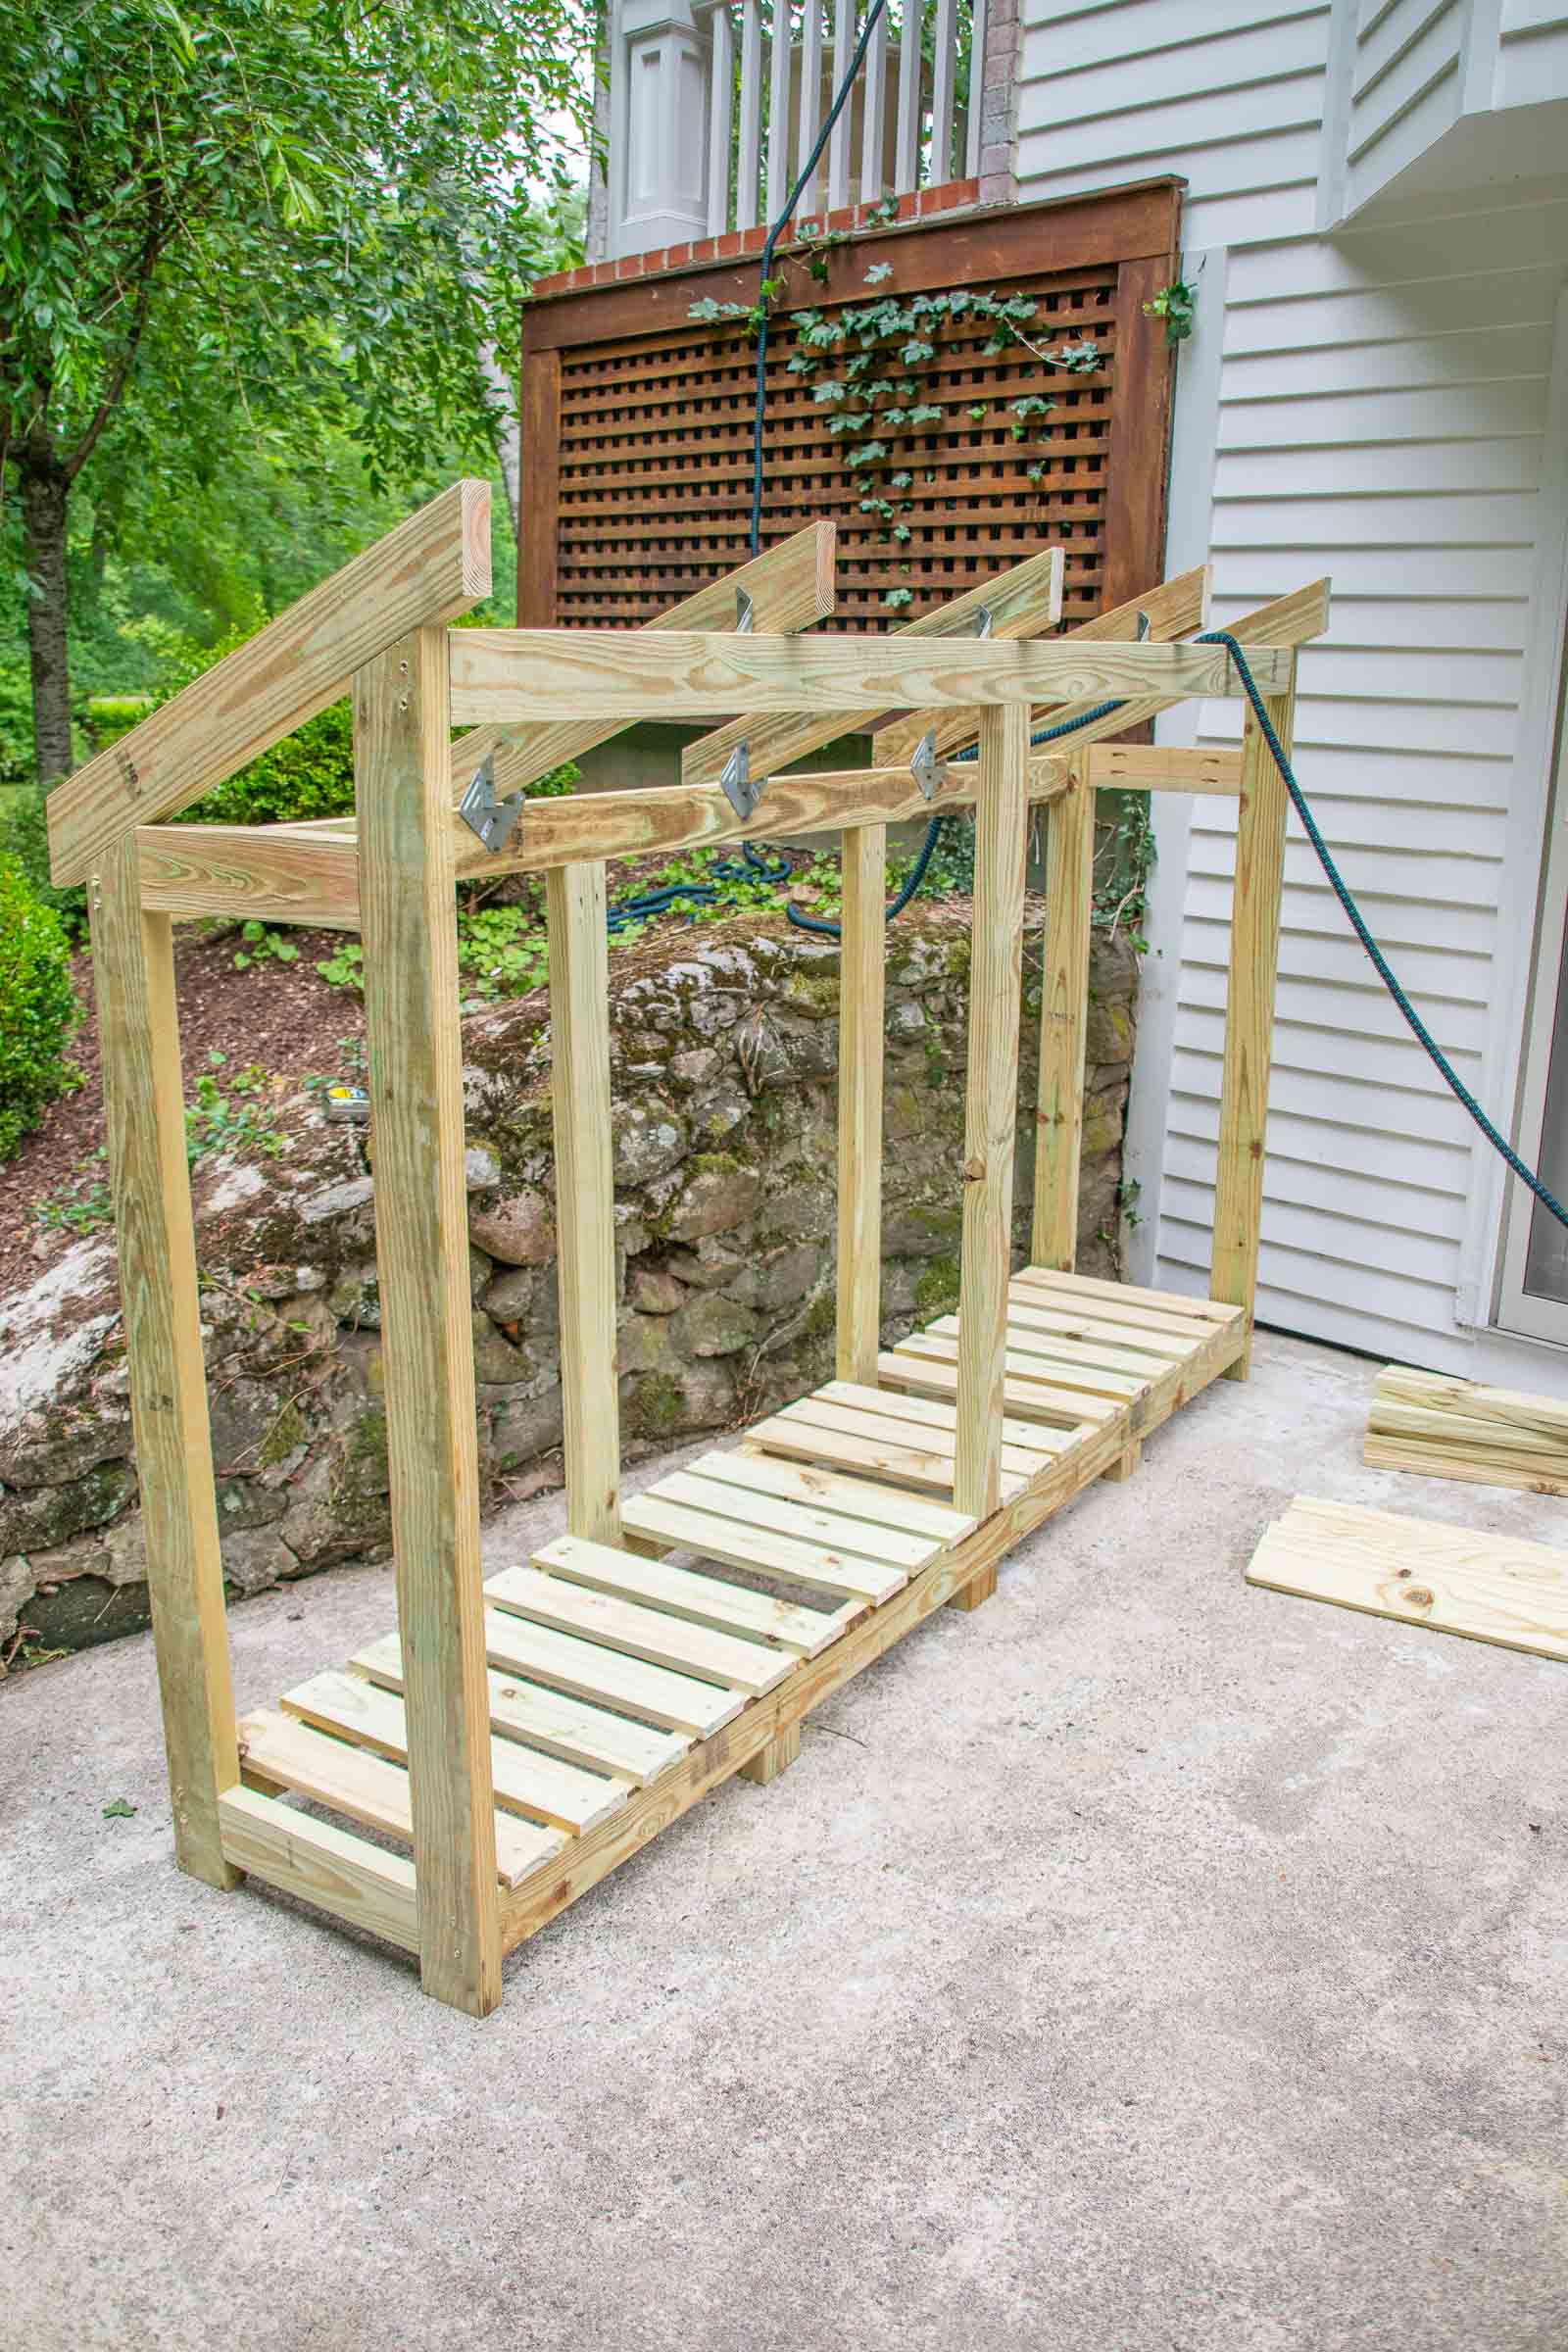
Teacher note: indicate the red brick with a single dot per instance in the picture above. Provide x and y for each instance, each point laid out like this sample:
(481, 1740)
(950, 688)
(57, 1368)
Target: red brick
(753, 239)
(674, 257)
(552, 284)
(842, 221)
(728, 245)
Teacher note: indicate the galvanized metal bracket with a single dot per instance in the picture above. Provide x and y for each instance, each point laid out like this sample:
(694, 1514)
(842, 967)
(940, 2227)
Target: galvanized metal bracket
(926, 767)
(494, 821)
(745, 614)
(735, 779)
(982, 621)
(1142, 637)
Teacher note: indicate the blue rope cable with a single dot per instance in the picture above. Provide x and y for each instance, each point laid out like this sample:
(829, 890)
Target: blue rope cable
(1380, 962)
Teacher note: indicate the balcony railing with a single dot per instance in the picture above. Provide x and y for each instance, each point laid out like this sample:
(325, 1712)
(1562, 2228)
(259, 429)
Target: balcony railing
(715, 109)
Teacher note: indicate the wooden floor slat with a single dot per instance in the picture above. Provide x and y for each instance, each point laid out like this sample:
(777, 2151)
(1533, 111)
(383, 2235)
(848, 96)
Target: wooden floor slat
(1454, 1580)
(367, 1788)
(1112, 1343)
(757, 1506)
(895, 1425)
(850, 1497)
(704, 1600)
(1061, 1363)
(739, 1545)
(934, 1412)
(804, 1440)
(1030, 1392)
(318, 1863)
(1034, 1290)
(543, 1787)
(724, 1659)
(1089, 1286)
(677, 1702)
(552, 1722)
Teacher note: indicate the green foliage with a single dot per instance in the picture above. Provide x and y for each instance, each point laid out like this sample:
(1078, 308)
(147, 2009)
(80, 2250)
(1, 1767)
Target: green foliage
(880, 350)
(24, 846)
(262, 945)
(84, 1206)
(1177, 305)
(38, 1010)
(1124, 859)
(235, 1122)
(345, 966)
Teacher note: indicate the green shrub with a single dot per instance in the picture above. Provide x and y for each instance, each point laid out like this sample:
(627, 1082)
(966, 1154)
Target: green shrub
(38, 1010)
(309, 773)
(24, 844)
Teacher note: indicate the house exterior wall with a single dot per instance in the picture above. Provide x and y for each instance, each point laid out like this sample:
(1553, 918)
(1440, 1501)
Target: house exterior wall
(1373, 401)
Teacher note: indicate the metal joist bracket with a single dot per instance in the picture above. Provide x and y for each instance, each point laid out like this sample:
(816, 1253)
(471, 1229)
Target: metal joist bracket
(494, 821)
(927, 767)
(739, 788)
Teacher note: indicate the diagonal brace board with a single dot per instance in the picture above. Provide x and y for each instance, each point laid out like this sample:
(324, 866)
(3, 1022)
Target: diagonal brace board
(1018, 603)
(428, 571)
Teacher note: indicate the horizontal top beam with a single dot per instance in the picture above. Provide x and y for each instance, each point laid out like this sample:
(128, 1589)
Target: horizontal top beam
(428, 571)
(501, 674)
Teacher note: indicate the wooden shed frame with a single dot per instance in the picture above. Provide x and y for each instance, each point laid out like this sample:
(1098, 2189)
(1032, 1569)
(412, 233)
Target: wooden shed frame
(522, 1736)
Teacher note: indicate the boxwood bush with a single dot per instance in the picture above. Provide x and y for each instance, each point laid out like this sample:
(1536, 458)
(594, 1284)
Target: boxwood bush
(38, 1010)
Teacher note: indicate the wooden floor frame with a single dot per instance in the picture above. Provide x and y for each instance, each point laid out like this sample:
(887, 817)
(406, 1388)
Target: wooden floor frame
(1093, 1369)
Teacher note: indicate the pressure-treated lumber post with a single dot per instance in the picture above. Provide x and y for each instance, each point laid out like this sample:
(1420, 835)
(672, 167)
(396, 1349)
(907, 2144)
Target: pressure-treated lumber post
(863, 993)
(995, 975)
(1249, 1017)
(403, 797)
(139, 1027)
(579, 1032)
(1063, 1023)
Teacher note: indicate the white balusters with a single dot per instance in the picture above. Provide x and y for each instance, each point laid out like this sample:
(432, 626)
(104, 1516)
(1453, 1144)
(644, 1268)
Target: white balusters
(751, 171)
(811, 99)
(720, 120)
(873, 97)
(977, 90)
(906, 160)
(838, 146)
(944, 79)
(749, 160)
(779, 172)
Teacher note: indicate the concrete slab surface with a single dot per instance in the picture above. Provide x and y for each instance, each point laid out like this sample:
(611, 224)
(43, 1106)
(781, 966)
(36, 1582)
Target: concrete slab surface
(1142, 1964)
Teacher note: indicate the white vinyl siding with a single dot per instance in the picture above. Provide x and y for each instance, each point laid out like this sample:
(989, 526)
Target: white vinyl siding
(1382, 404)
(1229, 97)
(1533, 56)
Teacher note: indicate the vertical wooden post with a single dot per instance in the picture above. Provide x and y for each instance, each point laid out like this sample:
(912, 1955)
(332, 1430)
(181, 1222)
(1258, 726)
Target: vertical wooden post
(144, 1104)
(579, 1032)
(1249, 1017)
(1063, 1023)
(538, 487)
(862, 990)
(991, 1109)
(403, 793)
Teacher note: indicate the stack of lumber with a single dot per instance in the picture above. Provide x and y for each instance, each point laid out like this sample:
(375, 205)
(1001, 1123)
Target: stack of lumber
(1457, 1429)
(1454, 1578)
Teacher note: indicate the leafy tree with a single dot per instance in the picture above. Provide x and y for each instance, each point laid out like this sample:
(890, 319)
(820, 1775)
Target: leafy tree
(311, 215)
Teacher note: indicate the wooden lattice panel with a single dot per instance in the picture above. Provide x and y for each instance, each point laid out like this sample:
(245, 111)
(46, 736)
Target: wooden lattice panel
(638, 426)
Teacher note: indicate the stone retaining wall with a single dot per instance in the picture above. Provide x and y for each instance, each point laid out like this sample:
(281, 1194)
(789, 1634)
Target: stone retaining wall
(724, 1060)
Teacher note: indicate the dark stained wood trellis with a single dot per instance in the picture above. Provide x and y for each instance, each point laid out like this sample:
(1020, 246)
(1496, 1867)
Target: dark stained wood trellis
(637, 423)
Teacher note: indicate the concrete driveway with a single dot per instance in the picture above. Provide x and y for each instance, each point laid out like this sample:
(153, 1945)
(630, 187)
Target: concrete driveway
(1143, 1964)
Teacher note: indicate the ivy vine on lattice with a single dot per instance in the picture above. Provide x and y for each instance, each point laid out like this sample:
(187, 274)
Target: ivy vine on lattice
(879, 351)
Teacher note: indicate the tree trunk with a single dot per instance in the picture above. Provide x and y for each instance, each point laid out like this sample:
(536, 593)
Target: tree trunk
(44, 495)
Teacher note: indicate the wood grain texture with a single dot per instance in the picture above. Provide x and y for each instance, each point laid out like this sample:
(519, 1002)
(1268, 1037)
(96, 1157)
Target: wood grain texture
(1064, 1027)
(1444, 1427)
(269, 873)
(1249, 1016)
(1140, 425)
(1074, 232)
(790, 586)
(539, 487)
(1453, 1580)
(322, 1864)
(144, 1108)
(990, 1107)
(862, 992)
(429, 570)
(1021, 601)
(579, 1032)
(1162, 768)
(1173, 610)
(501, 674)
(400, 772)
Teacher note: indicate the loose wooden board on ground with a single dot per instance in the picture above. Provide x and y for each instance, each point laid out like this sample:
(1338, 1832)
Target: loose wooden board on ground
(1455, 1579)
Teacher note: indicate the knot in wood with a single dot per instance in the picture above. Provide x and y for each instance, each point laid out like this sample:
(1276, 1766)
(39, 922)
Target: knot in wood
(973, 1171)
